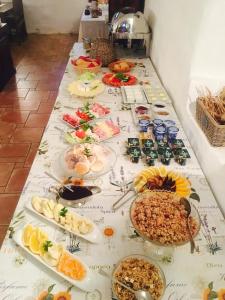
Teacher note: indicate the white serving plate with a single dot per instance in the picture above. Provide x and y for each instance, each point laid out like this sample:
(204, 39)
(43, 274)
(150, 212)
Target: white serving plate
(94, 237)
(87, 284)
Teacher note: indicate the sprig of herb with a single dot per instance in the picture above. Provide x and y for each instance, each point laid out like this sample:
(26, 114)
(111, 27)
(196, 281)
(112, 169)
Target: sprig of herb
(122, 77)
(63, 212)
(87, 152)
(47, 245)
(87, 106)
(86, 126)
(89, 140)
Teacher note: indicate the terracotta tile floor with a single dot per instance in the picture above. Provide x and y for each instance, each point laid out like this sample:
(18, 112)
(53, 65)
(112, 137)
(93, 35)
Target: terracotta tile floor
(25, 106)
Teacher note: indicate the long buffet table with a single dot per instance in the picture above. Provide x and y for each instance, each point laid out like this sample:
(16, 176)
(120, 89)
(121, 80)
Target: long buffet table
(187, 275)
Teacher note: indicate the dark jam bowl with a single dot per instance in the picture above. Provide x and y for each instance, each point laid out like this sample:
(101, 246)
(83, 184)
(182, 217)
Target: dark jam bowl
(78, 197)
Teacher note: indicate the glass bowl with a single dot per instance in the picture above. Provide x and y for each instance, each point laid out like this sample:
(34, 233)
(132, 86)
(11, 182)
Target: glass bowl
(61, 168)
(148, 260)
(194, 214)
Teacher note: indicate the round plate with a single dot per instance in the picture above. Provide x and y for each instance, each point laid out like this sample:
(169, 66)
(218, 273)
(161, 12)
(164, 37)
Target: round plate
(86, 90)
(107, 80)
(61, 169)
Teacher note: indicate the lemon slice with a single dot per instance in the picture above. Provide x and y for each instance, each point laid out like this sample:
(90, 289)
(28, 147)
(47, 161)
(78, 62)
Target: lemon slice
(34, 243)
(28, 230)
(41, 235)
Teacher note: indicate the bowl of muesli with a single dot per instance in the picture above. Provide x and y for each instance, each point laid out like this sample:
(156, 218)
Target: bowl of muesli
(139, 273)
(160, 218)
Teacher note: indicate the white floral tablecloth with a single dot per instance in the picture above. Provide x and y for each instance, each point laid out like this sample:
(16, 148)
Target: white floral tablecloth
(187, 275)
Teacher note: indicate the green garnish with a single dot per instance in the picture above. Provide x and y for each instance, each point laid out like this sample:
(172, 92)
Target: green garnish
(85, 126)
(47, 245)
(122, 77)
(86, 107)
(89, 140)
(63, 212)
(87, 152)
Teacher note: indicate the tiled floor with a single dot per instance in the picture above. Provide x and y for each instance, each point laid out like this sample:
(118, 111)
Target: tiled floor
(25, 106)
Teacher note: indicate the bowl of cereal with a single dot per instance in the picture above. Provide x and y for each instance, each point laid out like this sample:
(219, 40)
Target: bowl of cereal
(160, 218)
(139, 273)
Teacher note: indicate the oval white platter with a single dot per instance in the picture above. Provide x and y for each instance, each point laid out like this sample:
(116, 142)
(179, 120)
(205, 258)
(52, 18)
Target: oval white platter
(94, 237)
(87, 284)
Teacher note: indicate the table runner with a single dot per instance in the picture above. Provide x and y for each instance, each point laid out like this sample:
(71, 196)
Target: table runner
(187, 275)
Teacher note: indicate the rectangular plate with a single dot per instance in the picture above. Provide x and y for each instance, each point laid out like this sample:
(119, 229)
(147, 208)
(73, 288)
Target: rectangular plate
(87, 284)
(133, 94)
(93, 237)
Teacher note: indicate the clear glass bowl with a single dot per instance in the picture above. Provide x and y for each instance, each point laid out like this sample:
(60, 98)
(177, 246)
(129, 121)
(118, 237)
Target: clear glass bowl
(61, 169)
(194, 214)
(147, 259)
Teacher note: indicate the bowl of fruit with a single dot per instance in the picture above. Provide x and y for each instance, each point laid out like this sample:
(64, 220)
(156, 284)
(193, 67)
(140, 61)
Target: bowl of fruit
(86, 64)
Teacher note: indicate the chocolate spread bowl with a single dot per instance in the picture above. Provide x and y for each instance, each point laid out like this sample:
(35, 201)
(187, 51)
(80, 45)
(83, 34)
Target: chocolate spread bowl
(74, 195)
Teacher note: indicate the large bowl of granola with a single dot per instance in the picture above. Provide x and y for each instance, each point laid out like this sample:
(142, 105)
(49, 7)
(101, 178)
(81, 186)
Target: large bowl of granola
(160, 218)
(139, 273)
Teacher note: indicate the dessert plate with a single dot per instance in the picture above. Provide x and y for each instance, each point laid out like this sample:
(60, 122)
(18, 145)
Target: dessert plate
(86, 284)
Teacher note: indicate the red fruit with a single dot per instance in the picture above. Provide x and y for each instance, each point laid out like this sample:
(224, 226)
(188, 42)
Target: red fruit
(83, 116)
(80, 134)
(85, 58)
(91, 65)
(70, 119)
(74, 62)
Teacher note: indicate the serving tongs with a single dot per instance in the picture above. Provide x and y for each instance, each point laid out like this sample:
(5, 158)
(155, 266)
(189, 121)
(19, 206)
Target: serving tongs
(119, 202)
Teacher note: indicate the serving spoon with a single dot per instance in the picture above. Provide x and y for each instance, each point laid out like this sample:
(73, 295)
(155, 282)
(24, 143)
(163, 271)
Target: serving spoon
(187, 207)
(58, 180)
(140, 294)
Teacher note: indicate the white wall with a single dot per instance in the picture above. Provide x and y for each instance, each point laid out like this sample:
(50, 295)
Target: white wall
(175, 26)
(188, 51)
(53, 16)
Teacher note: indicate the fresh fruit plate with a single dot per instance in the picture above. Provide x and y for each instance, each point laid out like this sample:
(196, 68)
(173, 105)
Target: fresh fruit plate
(86, 160)
(86, 89)
(121, 66)
(158, 179)
(119, 79)
(65, 218)
(93, 132)
(85, 114)
(55, 257)
(85, 63)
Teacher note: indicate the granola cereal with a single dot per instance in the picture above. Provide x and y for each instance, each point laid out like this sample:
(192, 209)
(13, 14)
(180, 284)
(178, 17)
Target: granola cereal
(139, 274)
(161, 218)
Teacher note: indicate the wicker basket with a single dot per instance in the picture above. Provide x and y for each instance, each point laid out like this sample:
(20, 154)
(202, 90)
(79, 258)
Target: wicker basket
(214, 131)
(80, 69)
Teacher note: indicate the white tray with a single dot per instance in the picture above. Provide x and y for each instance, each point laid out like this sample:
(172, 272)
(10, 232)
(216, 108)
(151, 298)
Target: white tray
(94, 237)
(87, 284)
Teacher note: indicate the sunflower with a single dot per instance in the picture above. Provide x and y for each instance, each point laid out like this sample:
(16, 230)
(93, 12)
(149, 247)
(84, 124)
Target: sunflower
(43, 295)
(206, 293)
(62, 296)
(221, 294)
(160, 178)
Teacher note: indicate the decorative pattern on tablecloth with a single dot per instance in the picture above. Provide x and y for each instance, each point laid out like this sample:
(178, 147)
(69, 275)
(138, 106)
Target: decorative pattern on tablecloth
(187, 275)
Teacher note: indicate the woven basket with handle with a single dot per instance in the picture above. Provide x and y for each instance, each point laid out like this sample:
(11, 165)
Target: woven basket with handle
(213, 131)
